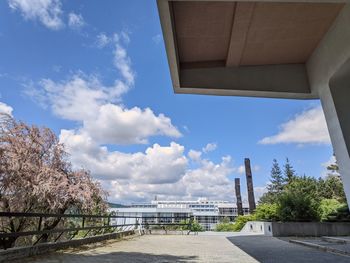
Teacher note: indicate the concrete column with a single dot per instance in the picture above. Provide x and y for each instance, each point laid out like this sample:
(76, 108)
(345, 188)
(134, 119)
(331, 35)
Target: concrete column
(328, 72)
(335, 100)
(238, 196)
(250, 188)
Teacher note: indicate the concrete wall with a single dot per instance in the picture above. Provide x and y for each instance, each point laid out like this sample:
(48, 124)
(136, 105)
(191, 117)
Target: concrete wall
(315, 229)
(257, 227)
(23, 252)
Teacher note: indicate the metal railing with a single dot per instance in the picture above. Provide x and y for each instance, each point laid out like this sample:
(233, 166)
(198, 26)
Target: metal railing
(82, 222)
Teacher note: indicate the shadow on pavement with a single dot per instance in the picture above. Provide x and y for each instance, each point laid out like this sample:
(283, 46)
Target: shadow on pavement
(272, 250)
(109, 257)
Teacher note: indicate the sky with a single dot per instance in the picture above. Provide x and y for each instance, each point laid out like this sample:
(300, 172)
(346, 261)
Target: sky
(97, 75)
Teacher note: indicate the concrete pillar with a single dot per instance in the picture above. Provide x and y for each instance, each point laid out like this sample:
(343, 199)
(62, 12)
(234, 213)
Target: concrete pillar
(329, 76)
(250, 187)
(335, 100)
(238, 196)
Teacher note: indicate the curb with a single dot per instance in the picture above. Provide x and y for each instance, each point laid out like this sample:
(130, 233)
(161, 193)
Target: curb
(337, 240)
(320, 247)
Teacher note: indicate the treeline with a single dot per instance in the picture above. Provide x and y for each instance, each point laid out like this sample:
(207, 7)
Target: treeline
(292, 197)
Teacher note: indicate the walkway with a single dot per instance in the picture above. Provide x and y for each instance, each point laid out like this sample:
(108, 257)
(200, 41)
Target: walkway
(155, 249)
(201, 248)
(274, 250)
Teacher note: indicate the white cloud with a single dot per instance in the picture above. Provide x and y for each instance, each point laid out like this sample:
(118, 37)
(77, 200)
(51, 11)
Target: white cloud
(157, 165)
(4, 108)
(103, 121)
(210, 180)
(326, 172)
(85, 99)
(115, 124)
(97, 107)
(195, 155)
(157, 38)
(48, 12)
(159, 170)
(102, 40)
(124, 35)
(256, 168)
(308, 127)
(209, 147)
(122, 61)
(259, 191)
(79, 97)
(241, 169)
(75, 21)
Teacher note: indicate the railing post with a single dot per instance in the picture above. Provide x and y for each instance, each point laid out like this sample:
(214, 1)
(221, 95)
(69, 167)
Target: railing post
(109, 223)
(39, 226)
(190, 224)
(137, 223)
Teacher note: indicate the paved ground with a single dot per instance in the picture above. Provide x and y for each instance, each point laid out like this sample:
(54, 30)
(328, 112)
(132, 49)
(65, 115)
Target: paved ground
(272, 250)
(342, 247)
(156, 249)
(194, 248)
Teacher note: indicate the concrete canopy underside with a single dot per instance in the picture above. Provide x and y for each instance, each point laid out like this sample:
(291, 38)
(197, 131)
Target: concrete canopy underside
(244, 48)
(297, 49)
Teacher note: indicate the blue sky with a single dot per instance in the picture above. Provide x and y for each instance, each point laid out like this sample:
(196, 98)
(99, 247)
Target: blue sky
(97, 74)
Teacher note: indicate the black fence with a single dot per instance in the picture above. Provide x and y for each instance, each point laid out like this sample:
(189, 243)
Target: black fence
(78, 223)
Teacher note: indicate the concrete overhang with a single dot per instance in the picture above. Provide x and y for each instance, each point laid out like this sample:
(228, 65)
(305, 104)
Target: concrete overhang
(244, 48)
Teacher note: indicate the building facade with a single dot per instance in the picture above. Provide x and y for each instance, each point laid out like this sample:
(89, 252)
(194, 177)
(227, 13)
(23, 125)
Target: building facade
(206, 212)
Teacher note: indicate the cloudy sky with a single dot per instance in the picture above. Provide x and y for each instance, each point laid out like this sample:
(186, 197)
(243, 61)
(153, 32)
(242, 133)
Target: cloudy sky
(97, 74)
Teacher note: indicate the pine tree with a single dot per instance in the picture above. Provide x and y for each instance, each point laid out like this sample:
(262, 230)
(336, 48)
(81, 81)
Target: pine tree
(277, 180)
(288, 172)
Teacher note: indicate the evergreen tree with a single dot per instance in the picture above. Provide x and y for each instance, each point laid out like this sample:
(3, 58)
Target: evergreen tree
(288, 172)
(332, 187)
(277, 180)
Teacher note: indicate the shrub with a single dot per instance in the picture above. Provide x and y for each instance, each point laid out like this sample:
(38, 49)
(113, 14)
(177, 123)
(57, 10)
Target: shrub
(341, 214)
(195, 226)
(241, 221)
(328, 207)
(267, 212)
(225, 226)
(294, 206)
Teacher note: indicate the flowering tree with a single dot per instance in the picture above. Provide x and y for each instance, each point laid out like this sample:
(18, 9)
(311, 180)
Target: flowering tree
(35, 176)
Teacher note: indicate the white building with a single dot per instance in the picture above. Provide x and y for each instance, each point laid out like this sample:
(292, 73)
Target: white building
(205, 212)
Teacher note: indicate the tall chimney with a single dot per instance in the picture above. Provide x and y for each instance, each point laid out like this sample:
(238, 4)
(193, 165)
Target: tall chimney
(248, 172)
(238, 196)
